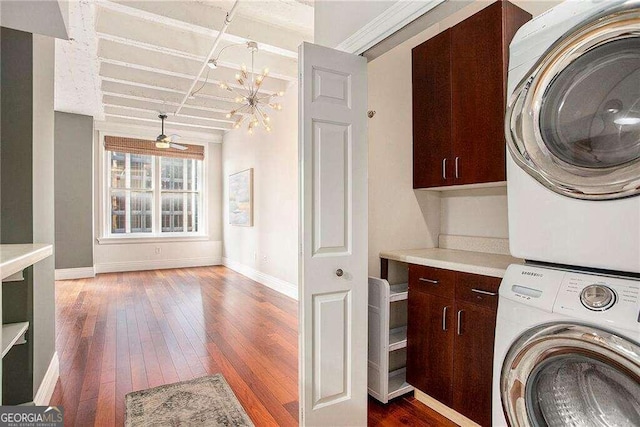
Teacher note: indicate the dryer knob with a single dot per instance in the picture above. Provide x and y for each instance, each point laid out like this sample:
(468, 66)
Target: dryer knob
(597, 297)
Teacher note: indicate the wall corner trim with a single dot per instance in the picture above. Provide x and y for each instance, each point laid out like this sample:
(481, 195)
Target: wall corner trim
(388, 22)
(279, 285)
(75, 273)
(48, 384)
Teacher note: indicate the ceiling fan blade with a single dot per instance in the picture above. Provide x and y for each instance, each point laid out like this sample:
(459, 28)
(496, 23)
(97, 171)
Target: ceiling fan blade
(178, 146)
(174, 137)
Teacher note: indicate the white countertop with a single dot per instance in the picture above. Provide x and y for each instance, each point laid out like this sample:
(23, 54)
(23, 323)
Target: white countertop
(482, 263)
(14, 258)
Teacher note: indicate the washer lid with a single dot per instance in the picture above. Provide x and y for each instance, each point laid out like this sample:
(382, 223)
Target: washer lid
(574, 122)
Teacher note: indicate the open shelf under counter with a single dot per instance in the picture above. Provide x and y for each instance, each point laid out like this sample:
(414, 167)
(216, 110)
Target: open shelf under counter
(397, 338)
(398, 292)
(13, 334)
(16, 257)
(398, 384)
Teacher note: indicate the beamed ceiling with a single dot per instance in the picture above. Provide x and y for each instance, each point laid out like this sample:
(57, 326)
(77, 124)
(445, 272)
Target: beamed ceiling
(129, 60)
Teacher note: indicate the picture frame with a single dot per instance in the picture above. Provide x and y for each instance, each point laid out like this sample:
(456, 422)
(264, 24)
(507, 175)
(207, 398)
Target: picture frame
(241, 198)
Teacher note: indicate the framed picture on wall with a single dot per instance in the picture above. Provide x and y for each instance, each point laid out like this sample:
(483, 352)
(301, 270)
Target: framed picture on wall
(241, 198)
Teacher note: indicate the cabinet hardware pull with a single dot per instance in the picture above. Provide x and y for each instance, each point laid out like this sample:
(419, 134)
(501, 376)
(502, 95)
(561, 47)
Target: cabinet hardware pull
(457, 158)
(460, 322)
(444, 168)
(423, 279)
(480, 291)
(444, 318)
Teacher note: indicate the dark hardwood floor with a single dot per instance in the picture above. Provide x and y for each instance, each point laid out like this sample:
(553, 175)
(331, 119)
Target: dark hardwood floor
(122, 332)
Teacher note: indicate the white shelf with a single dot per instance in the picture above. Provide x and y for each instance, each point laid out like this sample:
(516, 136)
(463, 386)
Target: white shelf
(397, 338)
(12, 334)
(14, 258)
(398, 383)
(398, 292)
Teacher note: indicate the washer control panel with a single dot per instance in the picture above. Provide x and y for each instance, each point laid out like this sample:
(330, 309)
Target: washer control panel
(608, 300)
(597, 297)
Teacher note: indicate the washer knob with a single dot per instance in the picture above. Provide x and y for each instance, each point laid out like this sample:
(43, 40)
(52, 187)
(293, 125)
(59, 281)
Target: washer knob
(597, 297)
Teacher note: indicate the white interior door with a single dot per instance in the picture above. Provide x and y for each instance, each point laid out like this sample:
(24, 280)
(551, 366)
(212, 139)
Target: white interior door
(333, 259)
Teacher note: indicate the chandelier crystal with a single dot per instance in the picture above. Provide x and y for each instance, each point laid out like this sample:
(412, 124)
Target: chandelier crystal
(254, 104)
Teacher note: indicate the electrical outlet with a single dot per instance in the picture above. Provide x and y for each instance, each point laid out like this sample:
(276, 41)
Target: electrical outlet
(158, 250)
(264, 258)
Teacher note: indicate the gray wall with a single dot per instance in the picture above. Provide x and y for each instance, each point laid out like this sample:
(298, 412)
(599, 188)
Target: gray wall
(74, 190)
(27, 190)
(44, 304)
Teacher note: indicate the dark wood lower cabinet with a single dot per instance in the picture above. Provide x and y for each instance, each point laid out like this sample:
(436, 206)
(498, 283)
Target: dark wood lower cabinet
(450, 338)
(430, 349)
(473, 361)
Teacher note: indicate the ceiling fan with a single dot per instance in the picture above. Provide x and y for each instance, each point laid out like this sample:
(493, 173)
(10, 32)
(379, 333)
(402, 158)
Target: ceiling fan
(164, 141)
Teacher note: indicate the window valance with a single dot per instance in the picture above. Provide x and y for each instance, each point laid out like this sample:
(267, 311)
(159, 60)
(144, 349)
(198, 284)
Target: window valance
(143, 146)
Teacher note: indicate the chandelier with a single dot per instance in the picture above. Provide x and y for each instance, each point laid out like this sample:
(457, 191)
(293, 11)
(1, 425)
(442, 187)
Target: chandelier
(254, 103)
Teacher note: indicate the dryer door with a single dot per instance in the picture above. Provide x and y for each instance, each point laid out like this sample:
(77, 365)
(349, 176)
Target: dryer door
(574, 122)
(565, 374)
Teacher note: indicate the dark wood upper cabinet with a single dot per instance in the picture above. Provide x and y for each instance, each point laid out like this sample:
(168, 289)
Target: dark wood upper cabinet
(431, 73)
(459, 99)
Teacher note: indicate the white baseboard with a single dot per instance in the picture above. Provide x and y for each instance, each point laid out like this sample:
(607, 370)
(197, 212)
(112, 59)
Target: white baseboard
(48, 384)
(159, 264)
(282, 286)
(75, 273)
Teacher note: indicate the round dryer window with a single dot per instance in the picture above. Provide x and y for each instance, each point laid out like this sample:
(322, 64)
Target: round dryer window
(568, 374)
(574, 122)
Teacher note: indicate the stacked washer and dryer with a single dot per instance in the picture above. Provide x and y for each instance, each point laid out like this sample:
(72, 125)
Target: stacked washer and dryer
(567, 349)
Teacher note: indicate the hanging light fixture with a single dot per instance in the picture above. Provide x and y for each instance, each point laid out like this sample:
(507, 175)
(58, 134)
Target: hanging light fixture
(254, 104)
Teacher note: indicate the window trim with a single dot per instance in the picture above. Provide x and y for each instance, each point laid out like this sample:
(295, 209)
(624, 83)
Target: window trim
(105, 235)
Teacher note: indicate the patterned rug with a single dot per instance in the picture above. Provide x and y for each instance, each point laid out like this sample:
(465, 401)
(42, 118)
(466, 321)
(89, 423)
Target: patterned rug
(205, 401)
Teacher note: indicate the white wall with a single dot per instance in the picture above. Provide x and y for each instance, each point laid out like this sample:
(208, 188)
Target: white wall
(270, 246)
(398, 216)
(110, 257)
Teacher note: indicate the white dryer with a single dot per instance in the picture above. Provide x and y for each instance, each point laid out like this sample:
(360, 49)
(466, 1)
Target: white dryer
(573, 133)
(567, 350)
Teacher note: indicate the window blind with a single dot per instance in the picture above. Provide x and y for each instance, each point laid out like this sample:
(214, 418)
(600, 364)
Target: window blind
(142, 146)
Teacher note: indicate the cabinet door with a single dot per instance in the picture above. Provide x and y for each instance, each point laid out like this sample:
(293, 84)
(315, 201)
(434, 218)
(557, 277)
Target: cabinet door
(473, 361)
(432, 163)
(479, 49)
(430, 344)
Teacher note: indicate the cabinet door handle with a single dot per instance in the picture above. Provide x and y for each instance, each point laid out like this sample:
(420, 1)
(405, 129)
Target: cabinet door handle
(444, 168)
(424, 279)
(480, 291)
(444, 318)
(460, 322)
(457, 159)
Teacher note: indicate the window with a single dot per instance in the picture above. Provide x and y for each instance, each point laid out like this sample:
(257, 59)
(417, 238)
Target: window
(153, 196)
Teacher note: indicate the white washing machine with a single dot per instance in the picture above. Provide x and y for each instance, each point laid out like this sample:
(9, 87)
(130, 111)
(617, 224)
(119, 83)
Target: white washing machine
(573, 133)
(567, 350)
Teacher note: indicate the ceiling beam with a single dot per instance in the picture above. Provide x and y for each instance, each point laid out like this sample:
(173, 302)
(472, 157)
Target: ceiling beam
(162, 103)
(164, 96)
(271, 40)
(233, 62)
(166, 89)
(185, 125)
(218, 119)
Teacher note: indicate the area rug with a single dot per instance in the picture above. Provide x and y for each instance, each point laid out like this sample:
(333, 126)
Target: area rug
(205, 401)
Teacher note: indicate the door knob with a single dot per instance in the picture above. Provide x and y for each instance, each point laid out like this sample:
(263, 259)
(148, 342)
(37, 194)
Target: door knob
(339, 272)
